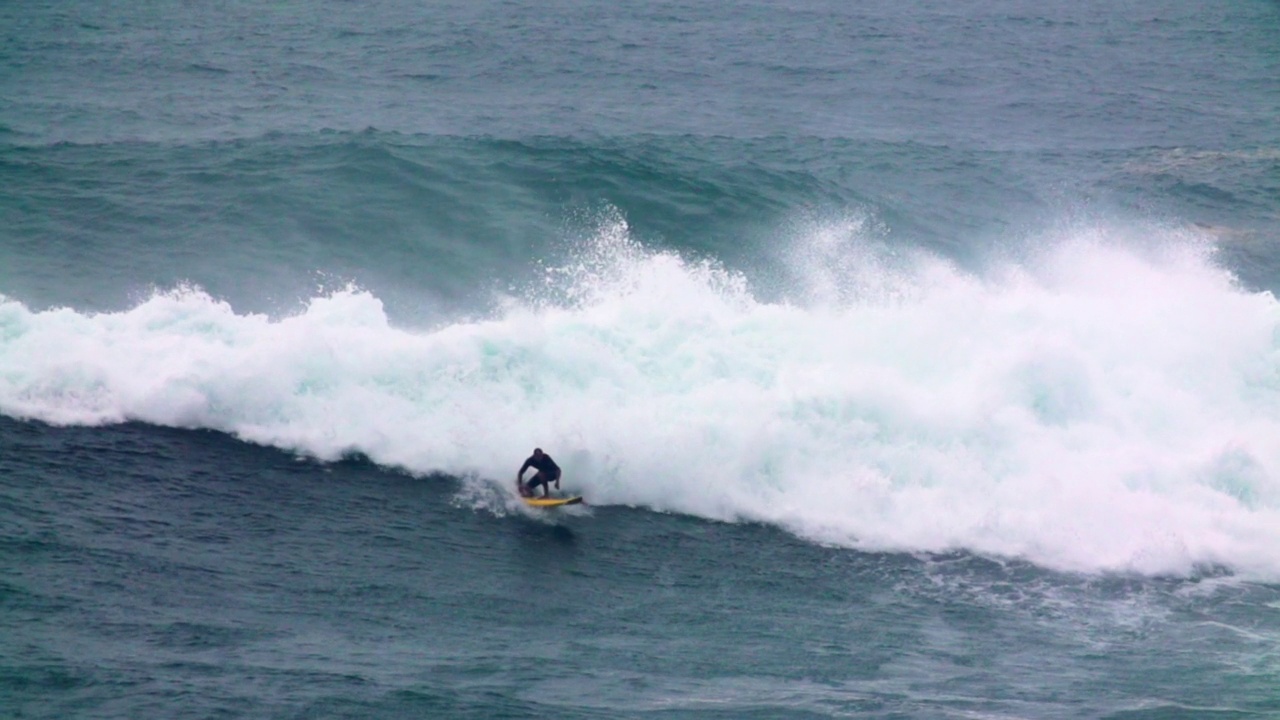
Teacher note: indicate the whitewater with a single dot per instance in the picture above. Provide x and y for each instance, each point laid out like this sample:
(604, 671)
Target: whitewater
(1104, 399)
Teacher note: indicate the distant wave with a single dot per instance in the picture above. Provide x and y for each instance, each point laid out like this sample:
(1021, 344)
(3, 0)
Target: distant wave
(201, 67)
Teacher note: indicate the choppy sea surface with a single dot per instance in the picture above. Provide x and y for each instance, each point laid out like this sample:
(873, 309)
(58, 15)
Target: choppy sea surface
(916, 360)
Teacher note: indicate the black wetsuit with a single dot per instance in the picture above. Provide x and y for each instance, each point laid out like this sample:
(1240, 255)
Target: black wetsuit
(548, 470)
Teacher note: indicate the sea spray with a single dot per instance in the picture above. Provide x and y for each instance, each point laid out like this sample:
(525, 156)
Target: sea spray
(1098, 406)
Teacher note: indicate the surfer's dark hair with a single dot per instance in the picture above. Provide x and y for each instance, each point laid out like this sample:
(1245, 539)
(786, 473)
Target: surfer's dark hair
(537, 450)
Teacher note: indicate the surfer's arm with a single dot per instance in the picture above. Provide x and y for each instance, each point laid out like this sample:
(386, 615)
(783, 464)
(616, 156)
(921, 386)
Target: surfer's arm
(520, 477)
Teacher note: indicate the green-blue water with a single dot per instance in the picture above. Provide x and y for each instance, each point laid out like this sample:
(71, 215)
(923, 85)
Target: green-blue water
(916, 361)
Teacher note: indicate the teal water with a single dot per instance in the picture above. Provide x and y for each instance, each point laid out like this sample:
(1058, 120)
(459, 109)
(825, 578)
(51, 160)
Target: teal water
(915, 361)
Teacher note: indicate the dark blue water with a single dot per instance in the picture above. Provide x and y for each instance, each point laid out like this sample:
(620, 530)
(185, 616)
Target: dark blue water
(915, 361)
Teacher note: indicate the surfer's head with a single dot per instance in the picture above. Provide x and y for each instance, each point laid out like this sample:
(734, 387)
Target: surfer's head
(537, 452)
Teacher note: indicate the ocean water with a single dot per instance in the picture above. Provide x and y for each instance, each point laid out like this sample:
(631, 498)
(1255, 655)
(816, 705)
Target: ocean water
(915, 360)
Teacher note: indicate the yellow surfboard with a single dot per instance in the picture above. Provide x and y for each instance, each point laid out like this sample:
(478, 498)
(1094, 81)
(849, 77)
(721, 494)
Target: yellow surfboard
(541, 502)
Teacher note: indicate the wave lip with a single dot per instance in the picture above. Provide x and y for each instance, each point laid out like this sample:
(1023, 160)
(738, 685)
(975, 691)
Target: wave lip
(1098, 407)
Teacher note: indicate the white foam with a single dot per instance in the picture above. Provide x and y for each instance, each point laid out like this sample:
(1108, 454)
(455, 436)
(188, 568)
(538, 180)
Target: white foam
(1107, 404)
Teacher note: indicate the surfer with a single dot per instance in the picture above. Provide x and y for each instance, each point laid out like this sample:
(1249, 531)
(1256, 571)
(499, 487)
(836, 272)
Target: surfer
(548, 472)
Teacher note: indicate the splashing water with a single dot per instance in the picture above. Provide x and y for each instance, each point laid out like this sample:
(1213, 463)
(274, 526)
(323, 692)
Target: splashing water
(1096, 408)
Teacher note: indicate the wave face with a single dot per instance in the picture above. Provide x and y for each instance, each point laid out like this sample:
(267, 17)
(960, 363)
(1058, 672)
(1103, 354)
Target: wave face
(1109, 402)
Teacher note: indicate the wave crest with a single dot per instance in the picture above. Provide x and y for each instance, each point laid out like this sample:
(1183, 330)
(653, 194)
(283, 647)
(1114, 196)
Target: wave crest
(1096, 408)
